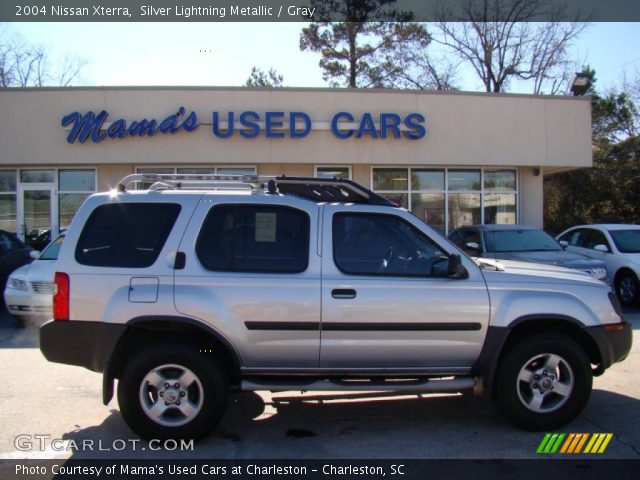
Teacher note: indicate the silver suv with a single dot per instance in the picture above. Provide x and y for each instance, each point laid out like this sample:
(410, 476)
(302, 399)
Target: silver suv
(203, 284)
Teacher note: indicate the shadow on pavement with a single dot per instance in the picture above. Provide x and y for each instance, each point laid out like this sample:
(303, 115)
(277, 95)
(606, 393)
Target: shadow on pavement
(372, 425)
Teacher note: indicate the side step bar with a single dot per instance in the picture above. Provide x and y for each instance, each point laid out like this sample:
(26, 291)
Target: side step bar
(454, 384)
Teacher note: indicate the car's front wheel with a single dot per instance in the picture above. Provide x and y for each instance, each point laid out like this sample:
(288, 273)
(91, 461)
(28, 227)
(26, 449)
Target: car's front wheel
(543, 382)
(172, 391)
(627, 288)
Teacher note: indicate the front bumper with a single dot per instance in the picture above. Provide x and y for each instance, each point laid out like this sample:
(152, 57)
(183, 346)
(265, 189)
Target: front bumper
(86, 344)
(613, 340)
(20, 302)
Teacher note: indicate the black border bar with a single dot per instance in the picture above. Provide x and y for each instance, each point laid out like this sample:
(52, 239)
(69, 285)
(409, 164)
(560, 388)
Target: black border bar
(328, 469)
(300, 10)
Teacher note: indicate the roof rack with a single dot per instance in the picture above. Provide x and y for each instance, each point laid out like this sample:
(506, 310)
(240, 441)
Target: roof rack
(311, 188)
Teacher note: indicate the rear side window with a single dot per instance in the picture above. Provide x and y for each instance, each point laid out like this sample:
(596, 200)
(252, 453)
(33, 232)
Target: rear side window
(254, 238)
(126, 234)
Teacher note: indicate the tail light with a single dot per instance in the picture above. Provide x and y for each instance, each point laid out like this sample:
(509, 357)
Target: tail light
(61, 297)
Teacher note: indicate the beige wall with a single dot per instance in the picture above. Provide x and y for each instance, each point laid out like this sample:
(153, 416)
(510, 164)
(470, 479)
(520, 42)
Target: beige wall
(462, 128)
(530, 198)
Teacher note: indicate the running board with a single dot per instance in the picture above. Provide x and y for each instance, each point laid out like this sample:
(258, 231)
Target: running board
(454, 384)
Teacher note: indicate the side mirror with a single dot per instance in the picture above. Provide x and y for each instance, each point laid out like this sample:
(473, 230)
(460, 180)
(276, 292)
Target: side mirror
(472, 246)
(34, 254)
(456, 270)
(563, 243)
(601, 248)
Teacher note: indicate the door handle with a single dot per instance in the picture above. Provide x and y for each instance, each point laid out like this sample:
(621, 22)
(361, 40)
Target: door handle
(343, 293)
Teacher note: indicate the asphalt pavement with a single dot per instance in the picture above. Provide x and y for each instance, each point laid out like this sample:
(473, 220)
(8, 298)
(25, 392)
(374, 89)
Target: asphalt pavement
(50, 410)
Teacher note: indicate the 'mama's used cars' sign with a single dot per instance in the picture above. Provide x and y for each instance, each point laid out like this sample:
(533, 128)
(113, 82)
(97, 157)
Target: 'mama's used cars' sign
(248, 124)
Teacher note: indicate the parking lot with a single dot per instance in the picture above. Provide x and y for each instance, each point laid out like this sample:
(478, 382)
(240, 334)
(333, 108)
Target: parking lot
(54, 408)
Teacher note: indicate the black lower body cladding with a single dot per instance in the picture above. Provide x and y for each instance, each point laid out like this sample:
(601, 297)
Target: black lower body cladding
(613, 340)
(86, 344)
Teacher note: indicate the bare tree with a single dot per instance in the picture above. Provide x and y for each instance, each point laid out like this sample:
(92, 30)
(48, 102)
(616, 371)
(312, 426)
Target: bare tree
(418, 69)
(501, 40)
(260, 78)
(28, 65)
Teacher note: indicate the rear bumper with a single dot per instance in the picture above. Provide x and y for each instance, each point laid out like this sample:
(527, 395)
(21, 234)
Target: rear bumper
(86, 344)
(614, 344)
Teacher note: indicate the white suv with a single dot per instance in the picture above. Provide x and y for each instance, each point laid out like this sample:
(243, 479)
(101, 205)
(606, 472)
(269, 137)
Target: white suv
(281, 283)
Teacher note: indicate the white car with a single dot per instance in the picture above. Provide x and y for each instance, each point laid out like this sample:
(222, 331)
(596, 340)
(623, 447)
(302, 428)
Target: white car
(618, 246)
(28, 294)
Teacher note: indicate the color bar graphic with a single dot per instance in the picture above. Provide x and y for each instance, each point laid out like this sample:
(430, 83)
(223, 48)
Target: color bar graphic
(574, 443)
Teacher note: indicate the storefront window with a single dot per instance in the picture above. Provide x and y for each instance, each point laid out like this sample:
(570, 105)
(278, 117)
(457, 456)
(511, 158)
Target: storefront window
(193, 171)
(37, 176)
(464, 209)
(74, 186)
(427, 179)
(500, 208)
(463, 180)
(499, 180)
(8, 200)
(429, 207)
(390, 179)
(450, 198)
(333, 172)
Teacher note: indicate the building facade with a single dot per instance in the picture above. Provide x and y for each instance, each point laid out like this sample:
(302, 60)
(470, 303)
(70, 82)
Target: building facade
(452, 158)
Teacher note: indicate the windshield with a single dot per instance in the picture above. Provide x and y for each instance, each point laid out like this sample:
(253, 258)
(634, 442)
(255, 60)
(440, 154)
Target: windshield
(520, 241)
(51, 252)
(627, 241)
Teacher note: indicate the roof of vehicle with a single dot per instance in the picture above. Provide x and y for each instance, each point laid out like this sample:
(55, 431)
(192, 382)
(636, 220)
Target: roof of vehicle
(334, 190)
(500, 227)
(610, 226)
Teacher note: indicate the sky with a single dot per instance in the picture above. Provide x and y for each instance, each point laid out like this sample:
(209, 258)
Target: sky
(222, 54)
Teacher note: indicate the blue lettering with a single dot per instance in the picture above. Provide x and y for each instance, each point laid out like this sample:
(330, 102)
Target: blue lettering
(335, 127)
(249, 119)
(144, 127)
(117, 129)
(170, 124)
(390, 121)
(84, 126)
(273, 120)
(216, 126)
(191, 122)
(414, 122)
(294, 132)
(367, 127)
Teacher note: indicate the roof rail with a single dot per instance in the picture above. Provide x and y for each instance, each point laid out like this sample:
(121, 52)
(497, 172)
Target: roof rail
(311, 188)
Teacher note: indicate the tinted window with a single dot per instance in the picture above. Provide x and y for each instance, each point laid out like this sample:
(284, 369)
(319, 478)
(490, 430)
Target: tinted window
(126, 234)
(627, 241)
(254, 238)
(519, 241)
(52, 251)
(370, 244)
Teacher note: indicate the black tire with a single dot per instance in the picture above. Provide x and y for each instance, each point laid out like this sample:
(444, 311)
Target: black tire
(627, 288)
(512, 395)
(211, 382)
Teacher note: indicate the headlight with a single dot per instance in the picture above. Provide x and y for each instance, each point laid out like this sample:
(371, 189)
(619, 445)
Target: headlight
(16, 284)
(599, 273)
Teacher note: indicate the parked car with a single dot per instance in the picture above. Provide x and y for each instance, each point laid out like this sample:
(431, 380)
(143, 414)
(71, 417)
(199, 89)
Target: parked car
(13, 254)
(618, 246)
(29, 291)
(525, 243)
(285, 283)
(38, 238)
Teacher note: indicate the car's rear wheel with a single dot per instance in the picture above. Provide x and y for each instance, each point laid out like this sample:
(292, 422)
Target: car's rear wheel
(627, 288)
(172, 391)
(543, 382)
